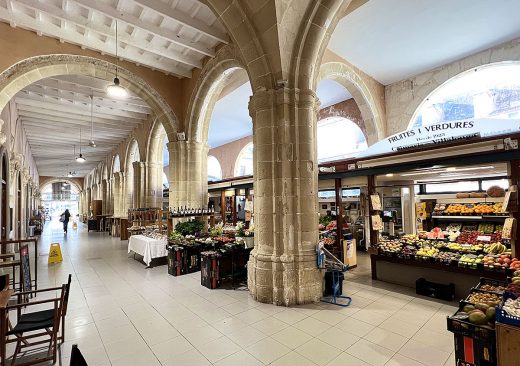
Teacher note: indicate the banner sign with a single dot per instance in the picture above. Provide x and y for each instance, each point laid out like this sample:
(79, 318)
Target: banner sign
(441, 133)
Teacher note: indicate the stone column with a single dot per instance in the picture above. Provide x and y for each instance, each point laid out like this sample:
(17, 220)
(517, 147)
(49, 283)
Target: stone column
(117, 193)
(154, 184)
(89, 202)
(282, 267)
(104, 196)
(188, 174)
(139, 196)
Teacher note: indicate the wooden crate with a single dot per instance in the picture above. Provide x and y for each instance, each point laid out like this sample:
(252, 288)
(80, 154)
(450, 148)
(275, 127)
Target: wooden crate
(508, 344)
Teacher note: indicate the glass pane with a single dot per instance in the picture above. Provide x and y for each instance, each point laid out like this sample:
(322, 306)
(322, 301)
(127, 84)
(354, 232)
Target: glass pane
(245, 161)
(469, 186)
(326, 194)
(503, 183)
(214, 170)
(339, 138)
(353, 192)
(491, 91)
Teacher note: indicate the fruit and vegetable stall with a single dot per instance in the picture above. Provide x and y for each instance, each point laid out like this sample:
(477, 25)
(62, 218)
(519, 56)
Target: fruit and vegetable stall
(486, 326)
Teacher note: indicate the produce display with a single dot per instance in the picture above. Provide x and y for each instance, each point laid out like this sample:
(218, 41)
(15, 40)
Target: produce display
(487, 298)
(477, 209)
(492, 288)
(512, 307)
(478, 314)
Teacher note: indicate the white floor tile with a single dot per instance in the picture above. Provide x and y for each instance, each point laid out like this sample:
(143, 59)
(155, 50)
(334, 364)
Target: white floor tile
(387, 339)
(292, 337)
(312, 326)
(318, 352)
(218, 349)
(371, 353)
(241, 358)
(267, 350)
(423, 353)
(293, 359)
(338, 338)
(345, 359)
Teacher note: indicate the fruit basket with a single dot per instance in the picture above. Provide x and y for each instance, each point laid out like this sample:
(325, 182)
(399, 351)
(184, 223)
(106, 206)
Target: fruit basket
(502, 316)
(492, 286)
(477, 296)
(459, 323)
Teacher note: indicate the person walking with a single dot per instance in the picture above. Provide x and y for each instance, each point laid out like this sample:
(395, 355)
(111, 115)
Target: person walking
(65, 216)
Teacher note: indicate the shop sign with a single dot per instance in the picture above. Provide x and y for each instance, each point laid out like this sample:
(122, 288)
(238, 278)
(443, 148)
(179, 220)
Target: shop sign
(443, 132)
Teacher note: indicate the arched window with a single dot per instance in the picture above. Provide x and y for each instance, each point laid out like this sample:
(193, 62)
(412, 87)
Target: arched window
(339, 138)
(214, 169)
(165, 182)
(490, 91)
(244, 164)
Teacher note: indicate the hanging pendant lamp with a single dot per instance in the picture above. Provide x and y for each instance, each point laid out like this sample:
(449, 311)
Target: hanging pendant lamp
(80, 158)
(91, 143)
(116, 90)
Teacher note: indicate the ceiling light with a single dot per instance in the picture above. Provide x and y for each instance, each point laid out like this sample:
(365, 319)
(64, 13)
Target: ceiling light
(451, 169)
(80, 158)
(70, 175)
(389, 175)
(115, 90)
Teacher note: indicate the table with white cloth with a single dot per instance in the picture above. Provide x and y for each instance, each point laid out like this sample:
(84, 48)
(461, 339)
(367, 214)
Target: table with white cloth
(147, 247)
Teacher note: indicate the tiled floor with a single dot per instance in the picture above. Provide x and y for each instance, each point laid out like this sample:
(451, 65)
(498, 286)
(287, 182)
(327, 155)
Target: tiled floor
(123, 314)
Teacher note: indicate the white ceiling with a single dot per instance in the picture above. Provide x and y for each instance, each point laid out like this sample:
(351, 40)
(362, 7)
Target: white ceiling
(392, 40)
(52, 111)
(230, 119)
(172, 36)
(330, 92)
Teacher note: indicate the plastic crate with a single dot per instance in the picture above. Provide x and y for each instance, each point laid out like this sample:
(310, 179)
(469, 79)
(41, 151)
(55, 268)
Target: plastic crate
(474, 352)
(505, 318)
(465, 328)
(176, 260)
(488, 281)
(210, 269)
(435, 290)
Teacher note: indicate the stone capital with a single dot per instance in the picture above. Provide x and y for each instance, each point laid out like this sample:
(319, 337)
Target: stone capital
(264, 99)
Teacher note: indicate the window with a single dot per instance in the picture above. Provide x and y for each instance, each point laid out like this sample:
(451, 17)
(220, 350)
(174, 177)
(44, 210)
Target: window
(339, 138)
(244, 165)
(352, 192)
(214, 170)
(491, 91)
(326, 194)
(165, 182)
(469, 186)
(503, 183)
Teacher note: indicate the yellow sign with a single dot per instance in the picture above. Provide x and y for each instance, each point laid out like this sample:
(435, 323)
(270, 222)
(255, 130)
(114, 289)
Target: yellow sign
(74, 225)
(55, 254)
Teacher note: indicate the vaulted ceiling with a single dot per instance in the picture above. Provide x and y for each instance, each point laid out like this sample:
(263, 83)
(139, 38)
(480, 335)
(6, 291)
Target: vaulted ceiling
(172, 36)
(53, 110)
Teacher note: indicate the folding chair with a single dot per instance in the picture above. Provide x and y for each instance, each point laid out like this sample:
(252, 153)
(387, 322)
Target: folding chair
(76, 358)
(43, 323)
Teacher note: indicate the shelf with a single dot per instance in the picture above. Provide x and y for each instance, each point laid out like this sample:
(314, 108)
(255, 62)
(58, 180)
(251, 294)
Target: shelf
(374, 258)
(473, 218)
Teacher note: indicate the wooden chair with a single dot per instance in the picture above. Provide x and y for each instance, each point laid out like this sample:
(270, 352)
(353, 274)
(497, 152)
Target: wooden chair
(44, 323)
(45, 315)
(8, 260)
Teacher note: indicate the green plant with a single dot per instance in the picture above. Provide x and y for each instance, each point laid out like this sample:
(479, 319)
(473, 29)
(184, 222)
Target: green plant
(189, 227)
(176, 237)
(217, 230)
(242, 231)
(325, 220)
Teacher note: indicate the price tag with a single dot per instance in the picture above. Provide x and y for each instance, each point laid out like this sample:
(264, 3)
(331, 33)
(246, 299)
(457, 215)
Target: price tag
(483, 238)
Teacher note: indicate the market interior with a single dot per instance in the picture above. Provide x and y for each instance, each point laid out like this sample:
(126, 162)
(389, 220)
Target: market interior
(258, 183)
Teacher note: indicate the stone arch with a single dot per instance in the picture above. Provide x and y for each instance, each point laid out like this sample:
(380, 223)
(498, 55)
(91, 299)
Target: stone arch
(58, 180)
(207, 90)
(372, 109)
(235, 17)
(104, 171)
(154, 145)
(132, 152)
(4, 192)
(116, 164)
(35, 68)
(132, 155)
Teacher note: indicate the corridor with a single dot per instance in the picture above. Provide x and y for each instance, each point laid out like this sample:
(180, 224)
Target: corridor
(123, 314)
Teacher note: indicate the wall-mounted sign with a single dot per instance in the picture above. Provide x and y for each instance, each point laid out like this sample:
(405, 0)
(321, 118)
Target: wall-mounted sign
(443, 132)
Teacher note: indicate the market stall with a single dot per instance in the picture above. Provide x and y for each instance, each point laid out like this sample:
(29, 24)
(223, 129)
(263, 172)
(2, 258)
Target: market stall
(438, 207)
(150, 245)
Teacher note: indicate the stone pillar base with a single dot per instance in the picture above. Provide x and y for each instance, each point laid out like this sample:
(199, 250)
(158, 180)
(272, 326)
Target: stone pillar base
(287, 280)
